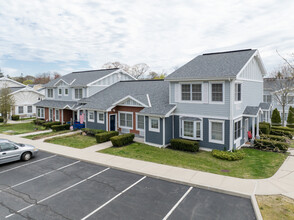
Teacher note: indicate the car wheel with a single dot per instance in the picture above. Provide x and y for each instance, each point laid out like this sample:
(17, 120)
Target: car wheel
(26, 156)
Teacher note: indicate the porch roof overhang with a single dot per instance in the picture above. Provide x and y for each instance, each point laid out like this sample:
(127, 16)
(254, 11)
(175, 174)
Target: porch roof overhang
(252, 111)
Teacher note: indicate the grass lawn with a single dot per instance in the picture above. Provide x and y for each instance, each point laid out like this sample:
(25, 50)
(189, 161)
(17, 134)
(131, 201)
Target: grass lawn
(276, 207)
(19, 128)
(256, 164)
(292, 144)
(76, 141)
(44, 135)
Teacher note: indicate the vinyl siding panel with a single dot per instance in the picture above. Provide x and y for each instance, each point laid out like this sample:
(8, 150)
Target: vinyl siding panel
(95, 125)
(252, 71)
(168, 129)
(151, 136)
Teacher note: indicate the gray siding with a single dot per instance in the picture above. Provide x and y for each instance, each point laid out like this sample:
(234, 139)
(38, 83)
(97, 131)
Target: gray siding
(176, 126)
(95, 125)
(168, 129)
(153, 137)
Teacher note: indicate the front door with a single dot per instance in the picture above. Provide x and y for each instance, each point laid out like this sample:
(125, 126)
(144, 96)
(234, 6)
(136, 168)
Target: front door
(112, 122)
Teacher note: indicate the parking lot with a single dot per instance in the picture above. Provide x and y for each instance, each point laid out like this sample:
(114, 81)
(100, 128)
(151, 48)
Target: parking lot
(55, 187)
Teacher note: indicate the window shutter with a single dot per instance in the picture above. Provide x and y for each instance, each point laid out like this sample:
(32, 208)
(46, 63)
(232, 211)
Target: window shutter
(205, 92)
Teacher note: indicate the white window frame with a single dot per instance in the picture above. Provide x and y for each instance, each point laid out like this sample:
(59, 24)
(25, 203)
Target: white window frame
(57, 119)
(74, 94)
(266, 101)
(194, 130)
(23, 109)
(99, 121)
(50, 110)
(28, 109)
(66, 89)
(49, 97)
(210, 92)
(59, 89)
(236, 93)
(139, 129)
(223, 136)
(125, 119)
(241, 133)
(41, 111)
(154, 129)
(191, 93)
(89, 119)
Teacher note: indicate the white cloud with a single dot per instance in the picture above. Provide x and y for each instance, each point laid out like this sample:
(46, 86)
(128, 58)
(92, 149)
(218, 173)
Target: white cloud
(162, 34)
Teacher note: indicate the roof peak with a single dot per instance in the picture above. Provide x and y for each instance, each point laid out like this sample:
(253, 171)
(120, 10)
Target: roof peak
(95, 70)
(229, 51)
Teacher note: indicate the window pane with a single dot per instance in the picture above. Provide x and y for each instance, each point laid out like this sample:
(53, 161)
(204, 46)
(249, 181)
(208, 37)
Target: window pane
(237, 132)
(101, 116)
(20, 109)
(122, 119)
(129, 120)
(217, 92)
(30, 109)
(196, 92)
(188, 128)
(7, 146)
(154, 123)
(217, 131)
(198, 130)
(140, 122)
(186, 95)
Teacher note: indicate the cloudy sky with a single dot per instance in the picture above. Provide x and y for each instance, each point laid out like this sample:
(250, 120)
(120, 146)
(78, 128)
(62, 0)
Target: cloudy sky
(64, 36)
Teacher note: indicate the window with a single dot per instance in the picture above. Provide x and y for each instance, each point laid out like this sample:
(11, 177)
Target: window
(140, 122)
(216, 133)
(126, 120)
(191, 92)
(78, 93)
(20, 109)
(66, 92)
(30, 109)
(40, 113)
(50, 93)
(217, 92)
(238, 92)
(154, 124)
(237, 130)
(91, 116)
(7, 146)
(59, 91)
(56, 114)
(191, 129)
(100, 116)
(50, 114)
(267, 98)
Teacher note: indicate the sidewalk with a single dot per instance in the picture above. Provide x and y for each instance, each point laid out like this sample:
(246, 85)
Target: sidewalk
(281, 183)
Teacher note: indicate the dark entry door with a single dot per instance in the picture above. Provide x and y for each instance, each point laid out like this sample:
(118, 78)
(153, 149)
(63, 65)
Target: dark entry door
(112, 122)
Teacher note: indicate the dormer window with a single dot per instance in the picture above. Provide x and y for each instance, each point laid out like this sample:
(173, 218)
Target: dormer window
(191, 92)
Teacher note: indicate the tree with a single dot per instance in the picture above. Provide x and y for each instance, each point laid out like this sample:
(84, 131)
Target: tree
(290, 119)
(56, 75)
(116, 64)
(276, 118)
(6, 102)
(27, 82)
(155, 75)
(42, 78)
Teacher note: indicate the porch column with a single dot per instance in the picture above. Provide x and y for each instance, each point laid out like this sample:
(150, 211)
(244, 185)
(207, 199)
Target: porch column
(268, 117)
(253, 128)
(62, 116)
(257, 126)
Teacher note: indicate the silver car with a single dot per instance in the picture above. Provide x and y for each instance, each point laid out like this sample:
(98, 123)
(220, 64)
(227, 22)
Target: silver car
(10, 151)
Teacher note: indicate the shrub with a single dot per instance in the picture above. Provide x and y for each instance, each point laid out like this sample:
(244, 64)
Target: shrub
(283, 128)
(1, 119)
(271, 145)
(274, 137)
(50, 124)
(60, 127)
(290, 119)
(92, 132)
(264, 127)
(276, 117)
(227, 155)
(184, 145)
(105, 136)
(38, 121)
(15, 117)
(290, 126)
(121, 140)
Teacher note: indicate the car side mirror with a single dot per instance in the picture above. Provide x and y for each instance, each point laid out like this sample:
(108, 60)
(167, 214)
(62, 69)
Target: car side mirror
(15, 147)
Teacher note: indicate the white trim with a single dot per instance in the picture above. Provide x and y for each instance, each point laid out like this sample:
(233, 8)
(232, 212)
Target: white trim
(194, 130)
(139, 129)
(202, 116)
(58, 91)
(241, 128)
(74, 93)
(67, 91)
(27, 89)
(53, 96)
(98, 121)
(154, 145)
(59, 81)
(169, 113)
(154, 129)
(91, 120)
(210, 92)
(251, 80)
(11, 80)
(129, 97)
(149, 102)
(223, 131)
(163, 131)
(50, 118)
(232, 98)
(237, 83)
(191, 93)
(58, 114)
(42, 110)
(106, 120)
(201, 79)
(125, 112)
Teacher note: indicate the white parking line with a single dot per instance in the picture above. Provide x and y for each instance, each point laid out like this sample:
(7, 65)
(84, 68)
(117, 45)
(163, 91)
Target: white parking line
(55, 194)
(96, 210)
(37, 177)
(4, 171)
(176, 205)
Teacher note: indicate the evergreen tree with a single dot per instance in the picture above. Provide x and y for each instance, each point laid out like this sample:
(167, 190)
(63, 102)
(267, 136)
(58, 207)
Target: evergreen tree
(276, 117)
(290, 119)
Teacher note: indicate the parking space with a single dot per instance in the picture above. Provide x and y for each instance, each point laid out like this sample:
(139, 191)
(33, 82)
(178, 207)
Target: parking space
(54, 187)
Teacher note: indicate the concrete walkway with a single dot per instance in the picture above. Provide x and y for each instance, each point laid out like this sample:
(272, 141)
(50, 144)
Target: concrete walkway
(281, 183)
(32, 133)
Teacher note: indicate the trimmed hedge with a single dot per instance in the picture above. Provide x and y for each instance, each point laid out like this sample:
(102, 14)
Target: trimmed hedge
(121, 140)
(283, 128)
(282, 133)
(60, 127)
(15, 117)
(264, 127)
(38, 121)
(290, 126)
(92, 132)
(1, 119)
(275, 146)
(105, 136)
(50, 124)
(227, 155)
(273, 137)
(184, 145)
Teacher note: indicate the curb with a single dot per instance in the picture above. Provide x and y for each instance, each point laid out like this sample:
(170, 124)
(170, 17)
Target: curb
(256, 208)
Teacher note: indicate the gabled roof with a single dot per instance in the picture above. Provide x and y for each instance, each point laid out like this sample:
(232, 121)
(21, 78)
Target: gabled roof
(14, 89)
(251, 110)
(57, 104)
(220, 65)
(265, 106)
(81, 78)
(273, 84)
(153, 93)
(11, 80)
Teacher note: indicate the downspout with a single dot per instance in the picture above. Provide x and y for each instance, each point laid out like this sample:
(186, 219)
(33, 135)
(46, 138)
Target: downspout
(231, 114)
(163, 132)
